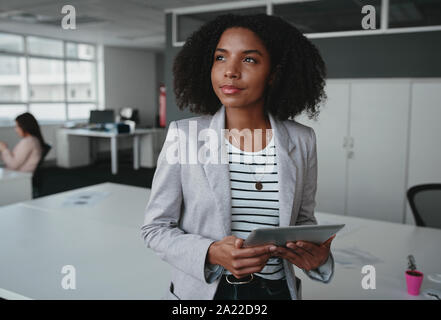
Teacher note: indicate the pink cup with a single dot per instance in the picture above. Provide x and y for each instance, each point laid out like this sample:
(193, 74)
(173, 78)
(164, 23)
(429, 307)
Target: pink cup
(414, 279)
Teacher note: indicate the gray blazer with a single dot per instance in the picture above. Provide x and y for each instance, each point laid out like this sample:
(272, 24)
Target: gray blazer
(190, 204)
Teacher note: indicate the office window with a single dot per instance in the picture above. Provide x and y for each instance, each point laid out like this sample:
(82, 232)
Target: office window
(188, 23)
(53, 79)
(414, 13)
(45, 47)
(80, 51)
(79, 111)
(9, 112)
(12, 79)
(80, 81)
(48, 111)
(46, 80)
(11, 43)
(326, 16)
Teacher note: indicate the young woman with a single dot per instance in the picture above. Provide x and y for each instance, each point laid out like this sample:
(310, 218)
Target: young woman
(27, 153)
(245, 74)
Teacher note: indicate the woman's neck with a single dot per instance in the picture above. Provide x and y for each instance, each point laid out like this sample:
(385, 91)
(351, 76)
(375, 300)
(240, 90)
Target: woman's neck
(245, 118)
(238, 119)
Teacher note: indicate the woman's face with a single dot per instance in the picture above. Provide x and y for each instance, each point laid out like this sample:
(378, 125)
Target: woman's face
(19, 130)
(241, 68)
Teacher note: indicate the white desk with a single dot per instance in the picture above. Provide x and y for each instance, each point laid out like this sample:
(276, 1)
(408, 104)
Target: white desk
(389, 244)
(103, 242)
(113, 136)
(121, 205)
(111, 261)
(15, 186)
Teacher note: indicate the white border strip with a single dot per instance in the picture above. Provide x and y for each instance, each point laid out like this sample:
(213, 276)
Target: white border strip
(384, 25)
(371, 32)
(9, 295)
(212, 8)
(384, 14)
(218, 7)
(269, 8)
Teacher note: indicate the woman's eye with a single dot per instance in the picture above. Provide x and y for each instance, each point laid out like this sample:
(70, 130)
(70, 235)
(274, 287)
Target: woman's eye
(219, 58)
(249, 59)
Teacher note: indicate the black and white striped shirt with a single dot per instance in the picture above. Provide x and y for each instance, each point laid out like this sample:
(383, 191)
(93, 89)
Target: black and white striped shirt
(252, 208)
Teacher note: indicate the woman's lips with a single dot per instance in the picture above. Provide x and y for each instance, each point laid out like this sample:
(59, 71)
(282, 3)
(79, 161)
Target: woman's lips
(230, 89)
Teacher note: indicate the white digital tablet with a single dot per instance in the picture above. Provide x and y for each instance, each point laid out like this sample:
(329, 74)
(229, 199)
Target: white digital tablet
(281, 235)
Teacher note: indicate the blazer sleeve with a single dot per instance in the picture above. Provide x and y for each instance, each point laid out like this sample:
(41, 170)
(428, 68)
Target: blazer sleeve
(324, 272)
(160, 231)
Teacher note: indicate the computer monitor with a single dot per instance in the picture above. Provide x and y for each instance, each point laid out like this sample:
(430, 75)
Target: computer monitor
(102, 116)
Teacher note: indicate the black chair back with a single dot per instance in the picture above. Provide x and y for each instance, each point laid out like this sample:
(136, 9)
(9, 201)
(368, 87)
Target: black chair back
(425, 202)
(36, 177)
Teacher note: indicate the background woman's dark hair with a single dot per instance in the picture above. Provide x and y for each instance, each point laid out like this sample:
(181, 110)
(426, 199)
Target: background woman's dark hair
(29, 124)
(299, 68)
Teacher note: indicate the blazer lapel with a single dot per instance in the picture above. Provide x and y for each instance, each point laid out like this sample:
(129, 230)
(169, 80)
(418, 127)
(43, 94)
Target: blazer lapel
(287, 170)
(218, 174)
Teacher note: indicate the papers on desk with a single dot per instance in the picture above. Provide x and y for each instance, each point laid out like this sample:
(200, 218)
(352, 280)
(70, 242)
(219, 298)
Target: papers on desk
(84, 199)
(353, 257)
(349, 257)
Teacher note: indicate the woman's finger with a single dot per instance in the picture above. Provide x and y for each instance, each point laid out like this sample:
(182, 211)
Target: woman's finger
(309, 246)
(239, 253)
(287, 254)
(240, 273)
(238, 243)
(303, 261)
(327, 243)
(251, 262)
(303, 251)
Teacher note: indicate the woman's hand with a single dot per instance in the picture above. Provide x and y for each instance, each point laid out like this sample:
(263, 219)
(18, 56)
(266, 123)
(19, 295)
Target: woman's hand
(3, 146)
(305, 255)
(241, 262)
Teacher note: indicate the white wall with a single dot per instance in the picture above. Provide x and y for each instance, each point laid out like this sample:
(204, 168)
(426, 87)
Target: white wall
(130, 81)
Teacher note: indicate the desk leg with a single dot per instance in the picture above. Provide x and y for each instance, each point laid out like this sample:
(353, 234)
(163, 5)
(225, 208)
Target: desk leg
(114, 154)
(136, 152)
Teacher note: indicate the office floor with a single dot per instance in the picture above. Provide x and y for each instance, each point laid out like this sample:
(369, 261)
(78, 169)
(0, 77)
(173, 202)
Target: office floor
(55, 179)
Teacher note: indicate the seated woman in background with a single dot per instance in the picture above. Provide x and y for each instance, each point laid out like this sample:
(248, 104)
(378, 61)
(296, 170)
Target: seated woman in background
(27, 153)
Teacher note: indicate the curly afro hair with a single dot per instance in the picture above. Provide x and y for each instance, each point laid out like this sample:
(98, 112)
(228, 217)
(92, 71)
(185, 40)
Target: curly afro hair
(299, 70)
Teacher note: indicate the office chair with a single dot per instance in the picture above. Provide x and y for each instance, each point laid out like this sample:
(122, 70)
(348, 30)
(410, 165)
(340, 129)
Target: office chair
(36, 177)
(425, 202)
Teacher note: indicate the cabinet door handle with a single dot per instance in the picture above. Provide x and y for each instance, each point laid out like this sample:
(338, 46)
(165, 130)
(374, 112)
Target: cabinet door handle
(345, 142)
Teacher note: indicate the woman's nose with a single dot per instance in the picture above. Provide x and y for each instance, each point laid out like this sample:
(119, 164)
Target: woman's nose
(232, 72)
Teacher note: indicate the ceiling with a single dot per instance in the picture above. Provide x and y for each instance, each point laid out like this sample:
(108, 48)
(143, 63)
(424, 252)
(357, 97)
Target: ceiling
(130, 23)
(141, 23)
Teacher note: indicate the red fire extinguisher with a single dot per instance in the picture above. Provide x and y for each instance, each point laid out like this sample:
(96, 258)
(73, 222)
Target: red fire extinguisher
(162, 106)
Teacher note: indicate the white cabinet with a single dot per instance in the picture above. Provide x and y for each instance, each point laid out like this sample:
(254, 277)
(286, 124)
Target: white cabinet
(425, 135)
(330, 130)
(375, 139)
(379, 116)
